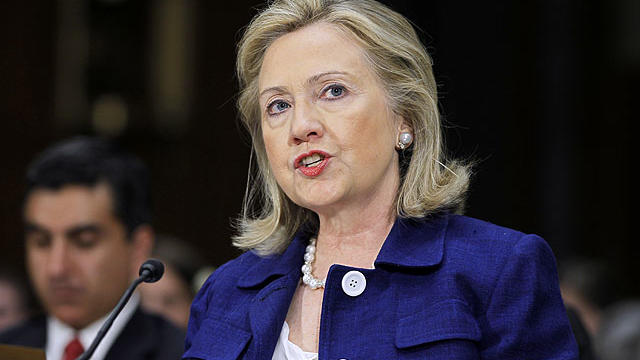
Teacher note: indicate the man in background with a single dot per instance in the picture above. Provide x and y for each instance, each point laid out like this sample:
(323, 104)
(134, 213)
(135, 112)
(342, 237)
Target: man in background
(15, 298)
(87, 220)
(172, 295)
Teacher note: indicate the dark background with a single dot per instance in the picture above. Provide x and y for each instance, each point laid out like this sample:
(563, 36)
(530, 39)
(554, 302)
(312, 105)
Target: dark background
(541, 94)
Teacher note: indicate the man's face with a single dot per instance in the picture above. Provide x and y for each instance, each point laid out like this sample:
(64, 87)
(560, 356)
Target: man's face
(169, 297)
(78, 255)
(12, 307)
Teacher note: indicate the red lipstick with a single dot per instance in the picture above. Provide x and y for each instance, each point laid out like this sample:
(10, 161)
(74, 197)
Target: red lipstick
(314, 168)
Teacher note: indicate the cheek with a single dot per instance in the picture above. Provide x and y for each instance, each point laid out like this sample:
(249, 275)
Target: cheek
(36, 264)
(111, 264)
(276, 150)
(370, 137)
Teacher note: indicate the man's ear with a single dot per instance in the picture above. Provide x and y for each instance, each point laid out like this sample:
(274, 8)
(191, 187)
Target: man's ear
(142, 240)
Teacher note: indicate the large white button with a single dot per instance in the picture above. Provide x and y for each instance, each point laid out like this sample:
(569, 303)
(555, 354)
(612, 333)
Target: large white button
(353, 283)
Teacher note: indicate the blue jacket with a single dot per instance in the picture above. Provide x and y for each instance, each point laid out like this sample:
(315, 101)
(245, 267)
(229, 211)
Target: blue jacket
(451, 287)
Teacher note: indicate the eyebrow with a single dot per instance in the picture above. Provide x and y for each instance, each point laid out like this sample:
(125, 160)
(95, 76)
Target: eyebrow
(273, 88)
(76, 230)
(94, 228)
(31, 227)
(317, 77)
(311, 80)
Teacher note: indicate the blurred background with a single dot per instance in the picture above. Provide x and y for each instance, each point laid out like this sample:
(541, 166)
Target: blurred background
(541, 94)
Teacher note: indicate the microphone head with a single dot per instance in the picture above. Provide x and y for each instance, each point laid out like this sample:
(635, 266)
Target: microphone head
(151, 271)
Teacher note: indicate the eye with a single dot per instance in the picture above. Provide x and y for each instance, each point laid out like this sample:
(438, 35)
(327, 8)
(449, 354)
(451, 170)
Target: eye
(277, 106)
(38, 239)
(85, 237)
(334, 92)
(85, 240)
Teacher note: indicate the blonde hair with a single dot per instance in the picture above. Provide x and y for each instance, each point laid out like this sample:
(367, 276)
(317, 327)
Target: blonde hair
(429, 183)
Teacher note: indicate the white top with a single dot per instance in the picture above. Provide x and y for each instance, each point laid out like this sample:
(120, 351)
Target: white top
(60, 334)
(286, 350)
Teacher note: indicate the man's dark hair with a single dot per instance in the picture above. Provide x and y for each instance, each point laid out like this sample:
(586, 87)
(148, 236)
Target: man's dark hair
(180, 255)
(89, 162)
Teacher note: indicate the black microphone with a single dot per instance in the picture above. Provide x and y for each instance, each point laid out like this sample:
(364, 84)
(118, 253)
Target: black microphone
(151, 271)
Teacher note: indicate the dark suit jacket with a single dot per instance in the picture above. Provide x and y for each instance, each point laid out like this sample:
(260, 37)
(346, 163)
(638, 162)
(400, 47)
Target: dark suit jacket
(145, 336)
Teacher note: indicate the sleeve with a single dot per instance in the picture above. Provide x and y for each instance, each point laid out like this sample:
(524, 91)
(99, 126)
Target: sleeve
(198, 312)
(209, 335)
(525, 314)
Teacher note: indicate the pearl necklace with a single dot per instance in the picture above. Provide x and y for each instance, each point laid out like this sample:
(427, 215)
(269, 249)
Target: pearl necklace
(309, 256)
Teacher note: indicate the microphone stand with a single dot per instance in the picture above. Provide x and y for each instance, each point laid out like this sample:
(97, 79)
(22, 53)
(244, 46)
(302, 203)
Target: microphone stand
(150, 271)
(107, 324)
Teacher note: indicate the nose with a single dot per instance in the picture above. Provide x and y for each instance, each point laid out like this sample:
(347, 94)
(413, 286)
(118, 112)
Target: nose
(306, 125)
(58, 261)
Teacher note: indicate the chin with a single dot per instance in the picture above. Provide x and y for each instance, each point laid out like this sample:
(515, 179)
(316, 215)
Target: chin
(72, 316)
(319, 200)
(319, 194)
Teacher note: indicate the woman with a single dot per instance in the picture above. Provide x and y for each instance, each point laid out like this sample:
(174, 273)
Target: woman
(355, 249)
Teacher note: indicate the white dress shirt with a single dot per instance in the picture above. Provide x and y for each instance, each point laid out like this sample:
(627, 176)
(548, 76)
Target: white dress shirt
(60, 334)
(286, 350)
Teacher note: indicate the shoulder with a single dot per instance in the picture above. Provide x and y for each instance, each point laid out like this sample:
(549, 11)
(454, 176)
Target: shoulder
(460, 226)
(221, 292)
(483, 256)
(164, 332)
(471, 235)
(226, 276)
(509, 279)
(32, 333)
(221, 300)
(148, 336)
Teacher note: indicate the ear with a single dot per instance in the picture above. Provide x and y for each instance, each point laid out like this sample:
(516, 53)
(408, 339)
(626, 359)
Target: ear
(142, 240)
(404, 126)
(404, 134)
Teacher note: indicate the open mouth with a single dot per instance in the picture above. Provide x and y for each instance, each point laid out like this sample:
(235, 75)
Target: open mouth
(311, 161)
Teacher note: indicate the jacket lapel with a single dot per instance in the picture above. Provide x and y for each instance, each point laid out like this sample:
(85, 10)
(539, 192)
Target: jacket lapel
(277, 278)
(269, 310)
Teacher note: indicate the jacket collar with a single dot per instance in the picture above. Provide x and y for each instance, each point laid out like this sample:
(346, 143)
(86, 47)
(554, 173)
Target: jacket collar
(275, 266)
(414, 243)
(410, 244)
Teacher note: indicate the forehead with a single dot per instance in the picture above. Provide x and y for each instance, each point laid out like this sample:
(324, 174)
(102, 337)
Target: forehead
(69, 206)
(311, 50)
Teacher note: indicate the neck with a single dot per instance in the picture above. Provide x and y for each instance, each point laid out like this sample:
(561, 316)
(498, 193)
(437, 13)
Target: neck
(352, 231)
(361, 229)
(353, 236)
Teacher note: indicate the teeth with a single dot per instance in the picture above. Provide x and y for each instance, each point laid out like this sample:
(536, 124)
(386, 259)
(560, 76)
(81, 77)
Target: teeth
(311, 161)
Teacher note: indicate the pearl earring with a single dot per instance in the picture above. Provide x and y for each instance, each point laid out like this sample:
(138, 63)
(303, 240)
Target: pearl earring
(404, 140)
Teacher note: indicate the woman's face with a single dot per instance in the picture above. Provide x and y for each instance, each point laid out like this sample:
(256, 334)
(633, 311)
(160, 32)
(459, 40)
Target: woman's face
(327, 126)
